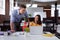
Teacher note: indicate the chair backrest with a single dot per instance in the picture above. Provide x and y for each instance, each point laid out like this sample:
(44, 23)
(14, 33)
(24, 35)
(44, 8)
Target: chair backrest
(6, 25)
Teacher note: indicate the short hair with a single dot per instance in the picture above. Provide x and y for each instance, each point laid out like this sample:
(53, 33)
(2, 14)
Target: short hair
(22, 6)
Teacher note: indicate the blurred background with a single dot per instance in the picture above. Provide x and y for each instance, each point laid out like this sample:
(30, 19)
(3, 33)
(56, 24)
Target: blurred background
(45, 8)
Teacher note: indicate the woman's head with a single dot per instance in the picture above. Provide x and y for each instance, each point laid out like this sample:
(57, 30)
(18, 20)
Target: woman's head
(38, 19)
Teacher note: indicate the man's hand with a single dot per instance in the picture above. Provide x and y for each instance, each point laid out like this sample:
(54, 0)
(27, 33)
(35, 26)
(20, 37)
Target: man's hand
(12, 27)
(12, 31)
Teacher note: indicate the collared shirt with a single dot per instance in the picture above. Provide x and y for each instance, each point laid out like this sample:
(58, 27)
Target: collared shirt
(16, 16)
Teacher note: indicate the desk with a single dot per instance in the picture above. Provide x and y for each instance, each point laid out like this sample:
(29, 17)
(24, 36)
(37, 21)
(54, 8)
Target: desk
(40, 37)
(21, 37)
(27, 36)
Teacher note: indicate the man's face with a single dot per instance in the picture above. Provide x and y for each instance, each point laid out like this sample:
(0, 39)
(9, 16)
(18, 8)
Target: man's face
(22, 10)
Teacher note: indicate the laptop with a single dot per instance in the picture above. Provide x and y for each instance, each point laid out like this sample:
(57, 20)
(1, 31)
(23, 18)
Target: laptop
(36, 30)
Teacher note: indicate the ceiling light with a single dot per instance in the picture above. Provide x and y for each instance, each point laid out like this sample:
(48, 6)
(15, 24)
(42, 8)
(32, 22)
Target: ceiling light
(31, 5)
(44, 0)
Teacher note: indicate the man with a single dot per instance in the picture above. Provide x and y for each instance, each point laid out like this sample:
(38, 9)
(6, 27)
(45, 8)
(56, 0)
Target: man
(16, 17)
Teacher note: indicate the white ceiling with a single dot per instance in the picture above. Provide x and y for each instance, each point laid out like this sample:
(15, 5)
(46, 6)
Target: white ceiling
(39, 3)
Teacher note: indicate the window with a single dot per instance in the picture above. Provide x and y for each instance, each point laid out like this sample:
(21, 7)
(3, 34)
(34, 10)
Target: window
(12, 6)
(31, 5)
(2, 7)
(53, 9)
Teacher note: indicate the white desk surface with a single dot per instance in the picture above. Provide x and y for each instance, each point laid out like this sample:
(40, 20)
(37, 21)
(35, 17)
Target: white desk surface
(27, 37)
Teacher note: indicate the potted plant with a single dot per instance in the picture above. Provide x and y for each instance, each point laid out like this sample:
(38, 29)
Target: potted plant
(30, 15)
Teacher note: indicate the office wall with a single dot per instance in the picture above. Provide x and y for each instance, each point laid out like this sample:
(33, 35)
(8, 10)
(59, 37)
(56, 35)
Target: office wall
(48, 11)
(36, 11)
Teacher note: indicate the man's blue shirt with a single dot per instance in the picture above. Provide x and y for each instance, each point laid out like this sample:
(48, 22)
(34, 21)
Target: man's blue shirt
(16, 16)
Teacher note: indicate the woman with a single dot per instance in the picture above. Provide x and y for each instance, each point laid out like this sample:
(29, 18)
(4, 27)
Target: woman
(37, 21)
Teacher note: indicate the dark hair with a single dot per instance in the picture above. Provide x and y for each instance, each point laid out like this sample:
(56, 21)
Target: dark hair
(22, 6)
(39, 20)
